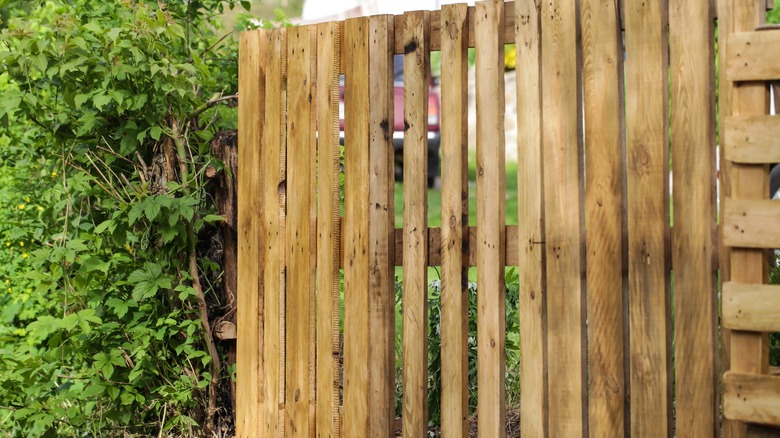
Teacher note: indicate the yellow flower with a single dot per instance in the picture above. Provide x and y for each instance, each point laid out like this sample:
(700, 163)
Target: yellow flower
(54, 174)
(9, 290)
(27, 199)
(24, 255)
(7, 243)
(7, 281)
(21, 243)
(35, 166)
(40, 208)
(21, 207)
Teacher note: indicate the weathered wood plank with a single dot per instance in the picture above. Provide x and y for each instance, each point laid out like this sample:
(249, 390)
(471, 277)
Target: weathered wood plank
(491, 189)
(273, 153)
(648, 217)
(455, 219)
(750, 223)
(530, 253)
(602, 52)
(751, 398)
(355, 230)
(748, 351)
(693, 143)
(249, 365)
(751, 307)
(416, 41)
(562, 213)
(751, 56)
(300, 134)
(752, 139)
(381, 283)
(328, 230)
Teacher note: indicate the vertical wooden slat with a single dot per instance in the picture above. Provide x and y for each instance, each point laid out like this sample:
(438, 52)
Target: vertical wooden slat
(695, 296)
(648, 218)
(533, 351)
(454, 239)
(562, 219)
(748, 351)
(602, 55)
(249, 366)
(415, 287)
(491, 189)
(273, 200)
(356, 238)
(381, 246)
(300, 133)
(328, 232)
(455, 221)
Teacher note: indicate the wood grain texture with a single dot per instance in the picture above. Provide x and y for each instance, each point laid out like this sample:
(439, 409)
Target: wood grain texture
(530, 230)
(455, 218)
(328, 230)
(562, 215)
(751, 55)
(752, 139)
(648, 217)
(693, 144)
(249, 365)
(416, 39)
(602, 51)
(751, 307)
(491, 191)
(749, 223)
(356, 225)
(381, 283)
(273, 199)
(300, 134)
(751, 398)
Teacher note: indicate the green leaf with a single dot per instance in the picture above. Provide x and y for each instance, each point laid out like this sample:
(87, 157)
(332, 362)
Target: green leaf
(155, 132)
(246, 5)
(103, 226)
(93, 389)
(120, 306)
(100, 100)
(213, 218)
(151, 207)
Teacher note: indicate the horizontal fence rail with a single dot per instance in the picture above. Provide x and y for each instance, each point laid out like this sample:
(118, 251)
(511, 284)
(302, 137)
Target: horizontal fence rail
(609, 239)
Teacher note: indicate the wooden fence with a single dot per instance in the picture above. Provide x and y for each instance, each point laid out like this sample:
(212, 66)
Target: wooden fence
(600, 91)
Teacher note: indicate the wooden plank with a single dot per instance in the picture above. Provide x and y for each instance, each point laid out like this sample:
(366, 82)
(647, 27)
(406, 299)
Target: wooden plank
(751, 307)
(751, 398)
(752, 139)
(530, 230)
(381, 283)
(249, 364)
(273, 200)
(751, 223)
(455, 220)
(416, 39)
(748, 351)
(562, 219)
(751, 56)
(648, 217)
(491, 189)
(356, 242)
(693, 143)
(328, 230)
(300, 133)
(602, 51)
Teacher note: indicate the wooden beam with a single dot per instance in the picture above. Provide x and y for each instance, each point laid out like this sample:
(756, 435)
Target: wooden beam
(752, 139)
(751, 398)
(751, 307)
(751, 56)
(751, 223)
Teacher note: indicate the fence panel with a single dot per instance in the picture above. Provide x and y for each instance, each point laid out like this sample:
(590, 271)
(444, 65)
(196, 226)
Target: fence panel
(455, 221)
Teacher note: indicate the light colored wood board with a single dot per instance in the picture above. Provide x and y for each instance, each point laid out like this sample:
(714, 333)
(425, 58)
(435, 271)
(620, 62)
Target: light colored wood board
(752, 139)
(562, 219)
(648, 217)
(249, 364)
(355, 230)
(751, 307)
(454, 213)
(529, 238)
(750, 223)
(328, 230)
(693, 143)
(381, 283)
(751, 398)
(602, 55)
(751, 56)
(312, 333)
(491, 189)
(299, 134)
(416, 39)
(273, 200)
